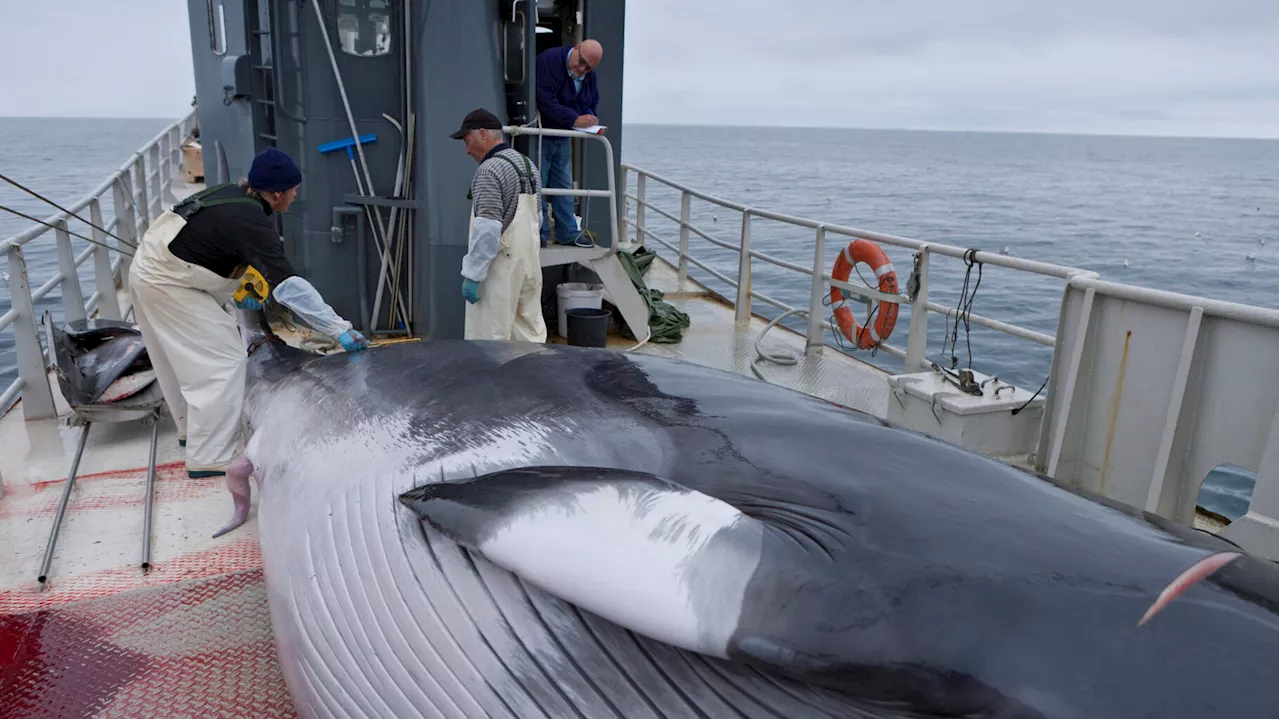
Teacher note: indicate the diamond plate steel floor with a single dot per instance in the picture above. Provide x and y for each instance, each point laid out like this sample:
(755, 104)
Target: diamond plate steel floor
(199, 648)
(713, 339)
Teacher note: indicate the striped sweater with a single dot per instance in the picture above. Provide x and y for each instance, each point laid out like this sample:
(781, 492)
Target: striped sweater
(496, 184)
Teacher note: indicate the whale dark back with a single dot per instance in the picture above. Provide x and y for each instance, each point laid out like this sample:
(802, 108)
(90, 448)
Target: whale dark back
(920, 574)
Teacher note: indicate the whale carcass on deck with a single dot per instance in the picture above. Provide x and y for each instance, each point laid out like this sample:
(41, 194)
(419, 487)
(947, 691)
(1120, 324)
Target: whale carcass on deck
(485, 529)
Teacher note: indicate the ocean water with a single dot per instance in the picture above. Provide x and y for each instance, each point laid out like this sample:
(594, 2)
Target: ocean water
(1197, 216)
(64, 160)
(1188, 215)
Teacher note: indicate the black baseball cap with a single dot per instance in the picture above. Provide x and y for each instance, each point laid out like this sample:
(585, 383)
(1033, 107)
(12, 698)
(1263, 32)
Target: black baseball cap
(478, 119)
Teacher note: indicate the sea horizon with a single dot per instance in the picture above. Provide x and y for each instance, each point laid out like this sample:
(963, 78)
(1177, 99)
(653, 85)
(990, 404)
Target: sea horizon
(821, 127)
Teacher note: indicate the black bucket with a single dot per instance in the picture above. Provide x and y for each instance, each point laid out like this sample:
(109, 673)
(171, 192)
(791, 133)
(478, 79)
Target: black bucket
(588, 326)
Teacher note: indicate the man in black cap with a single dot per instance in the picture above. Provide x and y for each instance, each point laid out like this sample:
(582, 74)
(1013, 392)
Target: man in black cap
(501, 272)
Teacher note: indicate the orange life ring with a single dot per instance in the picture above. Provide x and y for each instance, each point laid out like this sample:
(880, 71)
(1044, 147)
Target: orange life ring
(886, 313)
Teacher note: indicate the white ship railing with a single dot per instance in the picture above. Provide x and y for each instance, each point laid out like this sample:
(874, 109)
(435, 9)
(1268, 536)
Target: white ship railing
(1201, 388)
(139, 191)
(820, 277)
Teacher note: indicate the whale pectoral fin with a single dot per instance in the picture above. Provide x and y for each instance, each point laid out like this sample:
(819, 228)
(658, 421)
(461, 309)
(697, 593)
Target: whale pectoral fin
(237, 478)
(655, 557)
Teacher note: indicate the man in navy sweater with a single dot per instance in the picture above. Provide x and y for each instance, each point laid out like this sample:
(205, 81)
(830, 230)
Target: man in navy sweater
(567, 99)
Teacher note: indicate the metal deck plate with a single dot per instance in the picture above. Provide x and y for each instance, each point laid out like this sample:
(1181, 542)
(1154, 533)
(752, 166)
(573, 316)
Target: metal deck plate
(714, 339)
(192, 638)
(199, 648)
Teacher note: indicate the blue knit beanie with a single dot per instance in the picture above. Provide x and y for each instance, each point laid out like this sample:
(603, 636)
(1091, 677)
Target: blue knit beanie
(273, 171)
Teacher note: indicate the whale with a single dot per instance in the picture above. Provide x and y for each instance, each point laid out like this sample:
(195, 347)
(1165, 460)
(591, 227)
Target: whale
(455, 528)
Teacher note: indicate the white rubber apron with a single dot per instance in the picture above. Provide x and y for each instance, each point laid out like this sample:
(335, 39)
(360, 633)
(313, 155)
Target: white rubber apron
(510, 306)
(194, 345)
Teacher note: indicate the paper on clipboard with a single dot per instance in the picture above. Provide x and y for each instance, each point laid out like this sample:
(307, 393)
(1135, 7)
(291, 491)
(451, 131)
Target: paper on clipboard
(593, 129)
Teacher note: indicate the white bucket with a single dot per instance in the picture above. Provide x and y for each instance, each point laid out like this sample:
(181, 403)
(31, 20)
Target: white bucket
(576, 294)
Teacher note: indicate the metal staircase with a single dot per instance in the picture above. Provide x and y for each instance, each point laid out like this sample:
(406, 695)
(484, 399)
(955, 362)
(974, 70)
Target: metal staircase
(601, 260)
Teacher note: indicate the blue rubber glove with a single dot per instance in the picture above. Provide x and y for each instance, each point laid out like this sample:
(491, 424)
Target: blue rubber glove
(471, 290)
(352, 341)
(249, 303)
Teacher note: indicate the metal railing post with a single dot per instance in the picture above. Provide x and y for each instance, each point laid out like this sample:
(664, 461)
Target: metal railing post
(105, 281)
(813, 340)
(166, 169)
(742, 308)
(918, 330)
(37, 395)
(624, 204)
(175, 150)
(140, 203)
(126, 227)
(72, 298)
(682, 271)
(157, 196)
(640, 208)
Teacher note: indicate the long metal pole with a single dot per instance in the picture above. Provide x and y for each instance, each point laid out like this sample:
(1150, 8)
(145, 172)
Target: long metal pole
(380, 237)
(405, 236)
(62, 505)
(151, 484)
(386, 254)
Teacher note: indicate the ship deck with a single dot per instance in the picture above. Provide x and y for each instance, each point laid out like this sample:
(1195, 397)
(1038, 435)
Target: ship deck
(192, 637)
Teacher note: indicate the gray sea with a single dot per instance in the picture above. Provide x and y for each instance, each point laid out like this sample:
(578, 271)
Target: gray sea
(1187, 215)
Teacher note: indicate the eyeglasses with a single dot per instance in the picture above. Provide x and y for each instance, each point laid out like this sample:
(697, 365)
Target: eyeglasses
(581, 64)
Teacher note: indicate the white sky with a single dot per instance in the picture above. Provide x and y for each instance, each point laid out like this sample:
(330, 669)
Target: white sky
(1163, 67)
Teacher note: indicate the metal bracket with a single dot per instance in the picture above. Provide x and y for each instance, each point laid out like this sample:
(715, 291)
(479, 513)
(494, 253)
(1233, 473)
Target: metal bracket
(963, 380)
(380, 201)
(856, 296)
(913, 282)
(898, 393)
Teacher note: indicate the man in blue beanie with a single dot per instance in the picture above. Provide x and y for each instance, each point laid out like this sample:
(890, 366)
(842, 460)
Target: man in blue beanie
(188, 265)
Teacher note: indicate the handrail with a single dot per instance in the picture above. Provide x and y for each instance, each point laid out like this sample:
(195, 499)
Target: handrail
(1176, 300)
(919, 302)
(138, 189)
(995, 260)
(611, 193)
(35, 231)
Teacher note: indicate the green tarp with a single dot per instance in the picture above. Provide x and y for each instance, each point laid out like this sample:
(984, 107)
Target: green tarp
(666, 323)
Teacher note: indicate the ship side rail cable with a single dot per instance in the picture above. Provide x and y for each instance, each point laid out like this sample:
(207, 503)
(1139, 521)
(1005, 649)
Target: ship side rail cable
(964, 307)
(69, 232)
(39, 196)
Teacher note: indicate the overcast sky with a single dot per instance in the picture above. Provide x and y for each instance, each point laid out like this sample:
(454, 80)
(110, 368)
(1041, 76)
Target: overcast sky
(1167, 67)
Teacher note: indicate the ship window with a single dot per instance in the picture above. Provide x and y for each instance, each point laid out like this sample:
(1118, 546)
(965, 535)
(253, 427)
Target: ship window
(364, 27)
(217, 27)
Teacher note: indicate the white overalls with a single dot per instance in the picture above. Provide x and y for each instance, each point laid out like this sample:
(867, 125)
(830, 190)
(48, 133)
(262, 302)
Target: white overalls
(194, 345)
(510, 306)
